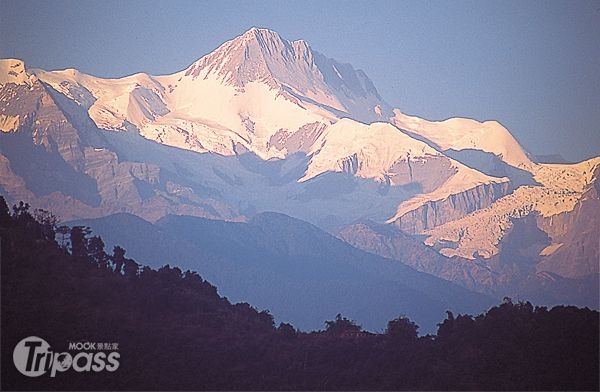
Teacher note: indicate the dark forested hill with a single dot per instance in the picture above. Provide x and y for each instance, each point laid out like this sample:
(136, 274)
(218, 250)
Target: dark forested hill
(175, 332)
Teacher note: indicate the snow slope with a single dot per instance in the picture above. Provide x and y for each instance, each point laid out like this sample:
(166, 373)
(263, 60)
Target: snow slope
(463, 133)
(111, 103)
(376, 148)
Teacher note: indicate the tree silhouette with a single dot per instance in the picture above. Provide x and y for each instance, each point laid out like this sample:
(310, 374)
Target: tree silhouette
(131, 268)
(342, 326)
(79, 236)
(21, 211)
(118, 259)
(5, 218)
(95, 249)
(64, 232)
(402, 328)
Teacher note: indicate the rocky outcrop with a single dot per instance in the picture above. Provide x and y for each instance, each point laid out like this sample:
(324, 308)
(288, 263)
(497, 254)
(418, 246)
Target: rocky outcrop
(350, 165)
(575, 235)
(12, 184)
(437, 212)
(429, 172)
(517, 271)
(299, 141)
(125, 183)
(52, 156)
(36, 111)
(390, 242)
(45, 151)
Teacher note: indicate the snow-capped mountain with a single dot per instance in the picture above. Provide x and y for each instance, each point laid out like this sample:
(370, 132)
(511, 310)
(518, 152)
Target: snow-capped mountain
(267, 124)
(293, 68)
(274, 98)
(254, 91)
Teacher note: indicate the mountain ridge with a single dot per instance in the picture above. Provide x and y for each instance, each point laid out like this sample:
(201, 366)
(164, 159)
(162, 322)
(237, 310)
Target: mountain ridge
(265, 124)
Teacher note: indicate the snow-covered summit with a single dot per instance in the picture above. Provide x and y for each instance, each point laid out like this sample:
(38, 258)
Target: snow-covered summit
(262, 55)
(250, 90)
(14, 71)
(258, 54)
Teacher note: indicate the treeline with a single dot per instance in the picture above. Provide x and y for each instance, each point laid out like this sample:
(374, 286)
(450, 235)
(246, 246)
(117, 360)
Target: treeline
(175, 332)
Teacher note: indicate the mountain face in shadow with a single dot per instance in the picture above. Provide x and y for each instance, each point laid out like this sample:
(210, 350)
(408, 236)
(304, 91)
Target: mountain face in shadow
(298, 272)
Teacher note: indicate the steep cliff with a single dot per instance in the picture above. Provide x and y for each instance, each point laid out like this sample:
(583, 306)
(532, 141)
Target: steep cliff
(433, 213)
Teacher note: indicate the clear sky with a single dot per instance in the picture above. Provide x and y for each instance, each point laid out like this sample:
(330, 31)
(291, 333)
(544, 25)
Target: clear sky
(532, 65)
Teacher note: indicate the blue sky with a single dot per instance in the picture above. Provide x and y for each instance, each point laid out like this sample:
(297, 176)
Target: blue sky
(532, 65)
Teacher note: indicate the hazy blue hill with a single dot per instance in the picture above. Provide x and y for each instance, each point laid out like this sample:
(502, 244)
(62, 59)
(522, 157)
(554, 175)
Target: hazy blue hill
(300, 273)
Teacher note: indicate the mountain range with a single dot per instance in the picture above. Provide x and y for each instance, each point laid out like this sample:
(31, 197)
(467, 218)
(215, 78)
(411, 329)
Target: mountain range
(263, 124)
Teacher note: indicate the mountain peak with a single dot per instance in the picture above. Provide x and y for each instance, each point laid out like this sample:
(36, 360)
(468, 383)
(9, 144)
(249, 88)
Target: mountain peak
(261, 33)
(13, 71)
(257, 55)
(262, 55)
(257, 30)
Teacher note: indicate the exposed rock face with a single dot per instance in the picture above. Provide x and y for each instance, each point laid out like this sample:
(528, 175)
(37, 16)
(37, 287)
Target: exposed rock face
(575, 235)
(545, 251)
(390, 242)
(35, 110)
(429, 173)
(11, 184)
(45, 150)
(299, 141)
(517, 271)
(47, 159)
(434, 213)
(125, 183)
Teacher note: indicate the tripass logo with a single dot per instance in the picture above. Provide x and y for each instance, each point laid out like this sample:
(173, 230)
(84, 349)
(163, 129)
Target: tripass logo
(33, 357)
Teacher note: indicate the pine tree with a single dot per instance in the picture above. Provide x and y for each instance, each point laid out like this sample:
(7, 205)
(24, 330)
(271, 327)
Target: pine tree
(5, 218)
